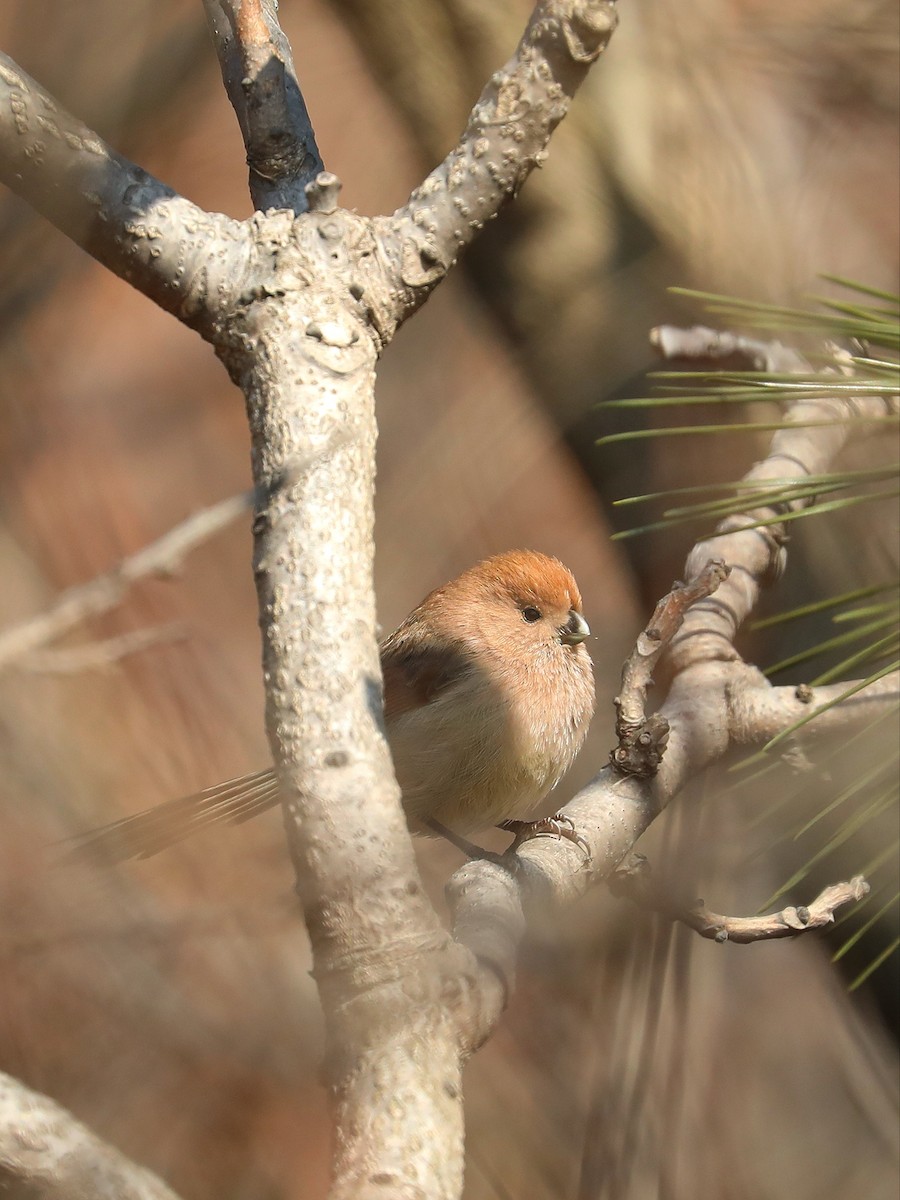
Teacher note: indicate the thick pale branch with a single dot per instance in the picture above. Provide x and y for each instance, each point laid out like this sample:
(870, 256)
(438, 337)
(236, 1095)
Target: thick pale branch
(188, 261)
(259, 76)
(46, 1152)
(758, 714)
(161, 557)
(505, 139)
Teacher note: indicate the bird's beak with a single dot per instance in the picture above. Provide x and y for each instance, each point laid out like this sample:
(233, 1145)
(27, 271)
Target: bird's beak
(575, 630)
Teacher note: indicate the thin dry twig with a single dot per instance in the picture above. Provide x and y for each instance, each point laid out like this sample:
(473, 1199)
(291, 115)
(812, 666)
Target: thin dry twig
(161, 557)
(632, 881)
(99, 656)
(700, 342)
(642, 739)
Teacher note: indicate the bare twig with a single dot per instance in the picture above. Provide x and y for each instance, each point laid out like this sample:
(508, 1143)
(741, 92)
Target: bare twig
(45, 1152)
(98, 656)
(642, 739)
(700, 342)
(633, 882)
(259, 76)
(160, 557)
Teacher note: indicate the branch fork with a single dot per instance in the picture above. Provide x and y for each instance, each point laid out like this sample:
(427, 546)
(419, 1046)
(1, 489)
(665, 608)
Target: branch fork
(298, 302)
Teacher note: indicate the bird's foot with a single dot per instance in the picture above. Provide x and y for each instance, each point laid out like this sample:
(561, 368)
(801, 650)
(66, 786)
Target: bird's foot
(557, 826)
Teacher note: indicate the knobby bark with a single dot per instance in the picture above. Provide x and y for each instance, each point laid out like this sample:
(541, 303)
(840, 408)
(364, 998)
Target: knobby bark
(298, 302)
(46, 1152)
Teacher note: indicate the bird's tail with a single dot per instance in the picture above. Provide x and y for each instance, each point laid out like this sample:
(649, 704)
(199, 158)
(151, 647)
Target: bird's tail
(157, 828)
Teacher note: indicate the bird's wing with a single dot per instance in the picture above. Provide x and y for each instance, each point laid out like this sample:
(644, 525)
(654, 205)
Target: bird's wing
(415, 673)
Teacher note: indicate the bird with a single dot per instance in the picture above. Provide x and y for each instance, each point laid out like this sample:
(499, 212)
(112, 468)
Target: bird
(488, 695)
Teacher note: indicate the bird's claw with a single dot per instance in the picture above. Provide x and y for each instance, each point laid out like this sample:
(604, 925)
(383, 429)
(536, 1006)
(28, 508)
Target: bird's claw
(558, 826)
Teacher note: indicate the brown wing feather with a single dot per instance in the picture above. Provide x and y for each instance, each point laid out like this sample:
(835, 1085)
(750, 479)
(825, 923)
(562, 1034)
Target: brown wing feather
(416, 676)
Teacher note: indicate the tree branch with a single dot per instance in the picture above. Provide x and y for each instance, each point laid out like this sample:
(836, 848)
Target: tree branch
(102, 655)
(505, 139)
(46, 1152)
(715, 701)
(700, 342)
(759, 714)
(188, 261)
(261, 82)
(161, 557)
(634, 883)
(816, 430)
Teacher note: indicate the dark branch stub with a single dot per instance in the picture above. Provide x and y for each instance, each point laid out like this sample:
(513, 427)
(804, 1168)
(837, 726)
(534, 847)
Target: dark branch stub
(642, 739)
(259, 76)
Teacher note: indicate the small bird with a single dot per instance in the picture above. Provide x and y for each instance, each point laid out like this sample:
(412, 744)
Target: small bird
(488, 694)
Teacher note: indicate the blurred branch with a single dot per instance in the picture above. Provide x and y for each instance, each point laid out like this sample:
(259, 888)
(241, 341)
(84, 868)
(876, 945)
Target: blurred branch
(259, 76)
(633, 882)
(99, 656)
(188, 261)
(46, 1152)
(699, 342)
(161, 557)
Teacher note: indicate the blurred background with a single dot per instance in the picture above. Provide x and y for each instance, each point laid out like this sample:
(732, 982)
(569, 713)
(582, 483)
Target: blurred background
(732, 145)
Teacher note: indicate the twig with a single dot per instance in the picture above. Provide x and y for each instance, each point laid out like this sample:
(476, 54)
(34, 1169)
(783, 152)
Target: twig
(160, 557)
(259, 76)
(700, 342)
(642, 739)
(98, 656)
(632, 882)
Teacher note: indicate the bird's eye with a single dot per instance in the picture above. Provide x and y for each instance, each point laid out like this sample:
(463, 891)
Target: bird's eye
(531, 614)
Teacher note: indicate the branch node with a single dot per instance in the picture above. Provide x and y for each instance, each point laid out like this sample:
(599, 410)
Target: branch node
(322, 194)
(642, 739)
